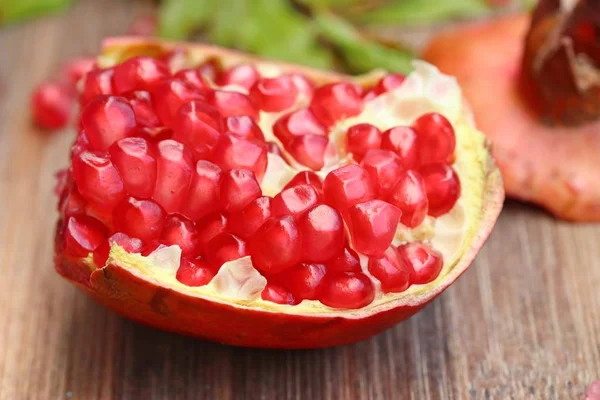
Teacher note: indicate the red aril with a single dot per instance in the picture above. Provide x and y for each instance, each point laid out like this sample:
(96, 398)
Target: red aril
(425, 262)
(51, 105)
(83, 235)
(435, 138)
(335, 101)
(277, 294)
(276, 246)
(322, 231)
(441, 186)
(244, 223)
(347, 290)
(169, 95)
(96, 83)
(209, 227)
(402, 140)
(203, 195)
(129, 244)
(307, 178)
(136, 162)
(345, 261)
(210, 69)
(274, 148)
(72, 203)
(155, 135)
(238, 188)
(309, 150)
(98, 180)
(143, 219)
(243, 127)
(243, 75)
(388, 83)
(304, 280)
(372, 226)
(76, 69)
(361, 138)
(198, 126)
(80, 145)
(391, 270)
(346, 186)
(139, 73)
(225, 247)
(194, 272)
(231, 152)
(274, 94)
(107, 119)
(141, 102)
(383, 167)
(294, 201)
(174, 167)
(194, 77)
(297, 123)
(409, 196)
(233, 104)
(180, 231)
(305, 86)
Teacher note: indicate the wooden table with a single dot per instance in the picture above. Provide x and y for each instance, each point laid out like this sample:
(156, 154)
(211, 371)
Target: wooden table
(522, 323)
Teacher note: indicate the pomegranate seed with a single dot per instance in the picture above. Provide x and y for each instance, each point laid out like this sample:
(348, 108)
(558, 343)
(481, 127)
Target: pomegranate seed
(426, 263)
(193, 77)
(210, 69)
(238, 188)
(409, 196)
(83, 235)
(347, 186)
(73, 203)
(304, 280)
(349, 290)
(373, 226)
(136, 163)
(346, 261)
(225, 247)
(369, 95)
(171, 94)
(182, 232)
(244, 127)
(209, 227)
(150, 247)
(442, 187)
(391, 270)
(52, 105)
(277, 294)
(274, 148)
(247, 221)
(336, 101)
(307, 178)
(80, 145)
(361, 138)
(107, 119)
(231, 152)
(304, 86)
(198, 126)
(274, 94)
(233, 104)
(139, 73)
(141, 102)
(436, 139)
(276, 246)
(203, 195)
(142, 219)
(297, 123)
(174, 167)
(98, 180)
(402, 140)
(96, 83)
(383, 168)
(194, 272)
(243, 75)
(76, 69)
(309, 150)
(176, 59)
(155, 134)
(295, 201)
(129, 244)
(389, 82)
(322, 231)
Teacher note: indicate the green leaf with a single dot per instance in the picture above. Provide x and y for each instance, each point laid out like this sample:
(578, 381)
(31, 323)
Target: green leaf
(177, 19)
(18, 10)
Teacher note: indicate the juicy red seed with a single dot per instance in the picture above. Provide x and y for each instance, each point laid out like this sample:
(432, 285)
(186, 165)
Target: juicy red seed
(143, 219)
(233, 104)
(276, 246)
(347, 186)
(193, 77)
(194, 272)
(244, 127)
(83, 235)
(141, 102)
(304, 280)
(107, 119)
(51, 105)
(225, 247)
(168, 96)
(210, 69)
(73, 203)
(309, 150)
(209, 227)
(274, 94)
(150, 247)
(243, 75)
(97, 179)
(304, 86)
(425, 262)
(231, 152)
(198, 126)
(277, 294)
(96, 83)
(409, 196)
(80, 145)
(442, 188)
(345, 261)
(373, 226)
(129, 244)
(307, 178)
(349, 290)
(322, 231)
(391, 270)
(436, 139)
(76, 69)
(402, 140)
(247, 221)
(389, 82)
(136, 162)
(274, 148)
(155, 134)
(139, 73)
(176, 59)
(295, 201)
(361, 138)
(297, 123)
(335, 101)
(203, 195)
(238, 188)
(383, 168)
(180, 231)
(174, 167)
(369, 95)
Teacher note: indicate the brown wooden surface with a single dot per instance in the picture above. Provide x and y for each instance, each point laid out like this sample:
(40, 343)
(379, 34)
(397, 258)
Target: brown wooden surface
(522, 323)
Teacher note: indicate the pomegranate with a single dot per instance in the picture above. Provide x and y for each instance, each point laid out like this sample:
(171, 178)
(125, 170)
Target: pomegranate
(197, 226)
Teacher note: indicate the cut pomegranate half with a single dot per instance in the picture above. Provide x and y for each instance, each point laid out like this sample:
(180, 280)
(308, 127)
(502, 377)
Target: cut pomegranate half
(199, 227)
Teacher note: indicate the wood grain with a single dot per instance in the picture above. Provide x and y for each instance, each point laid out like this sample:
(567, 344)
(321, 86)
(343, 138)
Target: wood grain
(522, 323)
